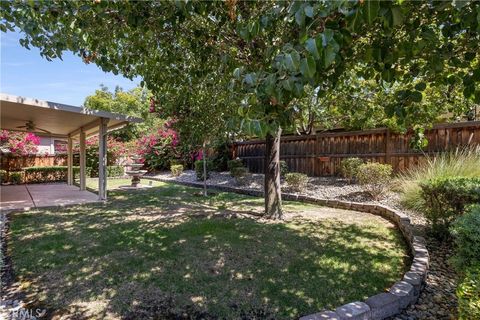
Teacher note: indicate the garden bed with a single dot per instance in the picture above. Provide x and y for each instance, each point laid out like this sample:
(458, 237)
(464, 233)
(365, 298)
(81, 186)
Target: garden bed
(437, 300)
(167, 251)
(334, 188)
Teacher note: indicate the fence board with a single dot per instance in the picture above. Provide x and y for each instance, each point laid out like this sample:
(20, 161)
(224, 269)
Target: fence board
(321, 154)
(13, 163)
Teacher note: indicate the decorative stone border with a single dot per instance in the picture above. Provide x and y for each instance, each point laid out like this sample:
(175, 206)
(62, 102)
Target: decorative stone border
(383, 305)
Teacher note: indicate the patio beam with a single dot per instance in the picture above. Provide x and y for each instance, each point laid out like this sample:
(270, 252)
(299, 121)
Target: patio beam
(70, 161)
(102, 159)
(86, 127)
(83, 159)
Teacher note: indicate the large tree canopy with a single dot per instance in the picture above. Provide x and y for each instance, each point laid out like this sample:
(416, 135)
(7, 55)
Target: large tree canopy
(272, 49)
(134, 102)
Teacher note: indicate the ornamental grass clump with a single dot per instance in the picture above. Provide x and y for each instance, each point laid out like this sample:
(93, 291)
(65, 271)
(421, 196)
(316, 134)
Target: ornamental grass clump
(375, 178)
(460, 163)
(176, 169)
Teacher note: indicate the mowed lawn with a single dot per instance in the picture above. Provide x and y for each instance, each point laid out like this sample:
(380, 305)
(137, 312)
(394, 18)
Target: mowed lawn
(167, 252)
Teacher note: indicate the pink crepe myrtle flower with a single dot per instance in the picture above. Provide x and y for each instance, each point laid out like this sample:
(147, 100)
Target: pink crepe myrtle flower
(19, 143)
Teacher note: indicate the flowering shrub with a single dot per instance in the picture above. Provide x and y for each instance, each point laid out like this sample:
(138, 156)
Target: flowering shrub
(19, 143)
(115, 150)
(159, 148)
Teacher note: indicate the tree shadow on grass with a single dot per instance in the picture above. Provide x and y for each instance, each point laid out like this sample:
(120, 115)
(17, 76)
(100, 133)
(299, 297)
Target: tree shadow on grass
(103, 261)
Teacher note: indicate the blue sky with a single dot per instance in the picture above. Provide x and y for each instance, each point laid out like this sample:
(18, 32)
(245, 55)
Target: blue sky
(25, 73)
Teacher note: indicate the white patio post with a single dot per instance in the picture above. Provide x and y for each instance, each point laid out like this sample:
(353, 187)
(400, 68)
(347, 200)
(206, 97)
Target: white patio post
(83, 159)
(102, 159)
(70, 161)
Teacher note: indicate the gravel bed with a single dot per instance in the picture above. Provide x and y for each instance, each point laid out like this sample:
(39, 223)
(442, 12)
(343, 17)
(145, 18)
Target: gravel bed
(437, 301)
(318, 187)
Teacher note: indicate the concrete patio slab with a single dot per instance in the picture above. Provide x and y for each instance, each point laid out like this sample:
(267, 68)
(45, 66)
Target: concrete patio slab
(15, 197)
(24, 197)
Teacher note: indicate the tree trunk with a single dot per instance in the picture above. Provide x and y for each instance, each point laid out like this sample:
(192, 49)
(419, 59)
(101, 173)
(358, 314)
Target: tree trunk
(273, 193)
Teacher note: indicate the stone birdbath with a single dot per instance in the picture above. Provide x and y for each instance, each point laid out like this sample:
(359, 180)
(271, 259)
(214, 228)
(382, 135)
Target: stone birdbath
(135, 172)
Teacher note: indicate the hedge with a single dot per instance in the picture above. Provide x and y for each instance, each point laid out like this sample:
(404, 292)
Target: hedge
(447, 198)
(45, 174)
(59, 173)
(16, 177)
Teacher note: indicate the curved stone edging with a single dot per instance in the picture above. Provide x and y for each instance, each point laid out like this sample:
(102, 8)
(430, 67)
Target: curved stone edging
(383, 305)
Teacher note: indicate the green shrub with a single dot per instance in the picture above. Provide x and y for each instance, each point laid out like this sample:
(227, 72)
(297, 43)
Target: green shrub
(240, 174)
(461, 163)
(466, 234)
(113, 171)
(468, 294)
(283, 168)
(45, 174)
(221, 154)
(199, 168)
(176, 170)
(375, 178)
(59, 173)
(235, 163)
(349, 168)
(88, 172)
(3, 176)
(16, 177)
(296, 181)
(446, 198)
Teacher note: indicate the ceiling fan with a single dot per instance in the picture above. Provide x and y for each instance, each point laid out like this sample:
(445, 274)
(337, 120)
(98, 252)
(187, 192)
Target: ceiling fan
(30, 127)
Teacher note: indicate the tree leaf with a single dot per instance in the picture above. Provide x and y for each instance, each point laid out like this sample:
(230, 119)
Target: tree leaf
(250, 79)
(288, 84)
(309, 11)
(370, 10)
(397, 16)
(311, 46)
(416, 96)
(329, 56)
(237, 73)
(300, 17)
(308, 67)
(355, 20)
(421, 86)
(295, 58)
(387, 75)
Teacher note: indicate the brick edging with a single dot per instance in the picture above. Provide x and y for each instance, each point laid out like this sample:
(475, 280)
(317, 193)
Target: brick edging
(380, 306)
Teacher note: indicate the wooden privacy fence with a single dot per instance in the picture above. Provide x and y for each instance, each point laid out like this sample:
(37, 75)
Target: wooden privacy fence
(322, 153)
(14, 163)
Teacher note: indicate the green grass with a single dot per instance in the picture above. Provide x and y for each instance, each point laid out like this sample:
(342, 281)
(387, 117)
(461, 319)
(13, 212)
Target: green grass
(461, 163)
(167, 251)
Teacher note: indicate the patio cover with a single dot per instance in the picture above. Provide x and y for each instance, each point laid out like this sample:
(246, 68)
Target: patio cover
(64, 121)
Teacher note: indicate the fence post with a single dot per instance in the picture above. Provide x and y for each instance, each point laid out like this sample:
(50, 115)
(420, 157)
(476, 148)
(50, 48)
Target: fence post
(387, 146)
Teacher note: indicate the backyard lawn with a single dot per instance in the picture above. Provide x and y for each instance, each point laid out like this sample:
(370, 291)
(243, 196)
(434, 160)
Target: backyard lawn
(167, 252)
